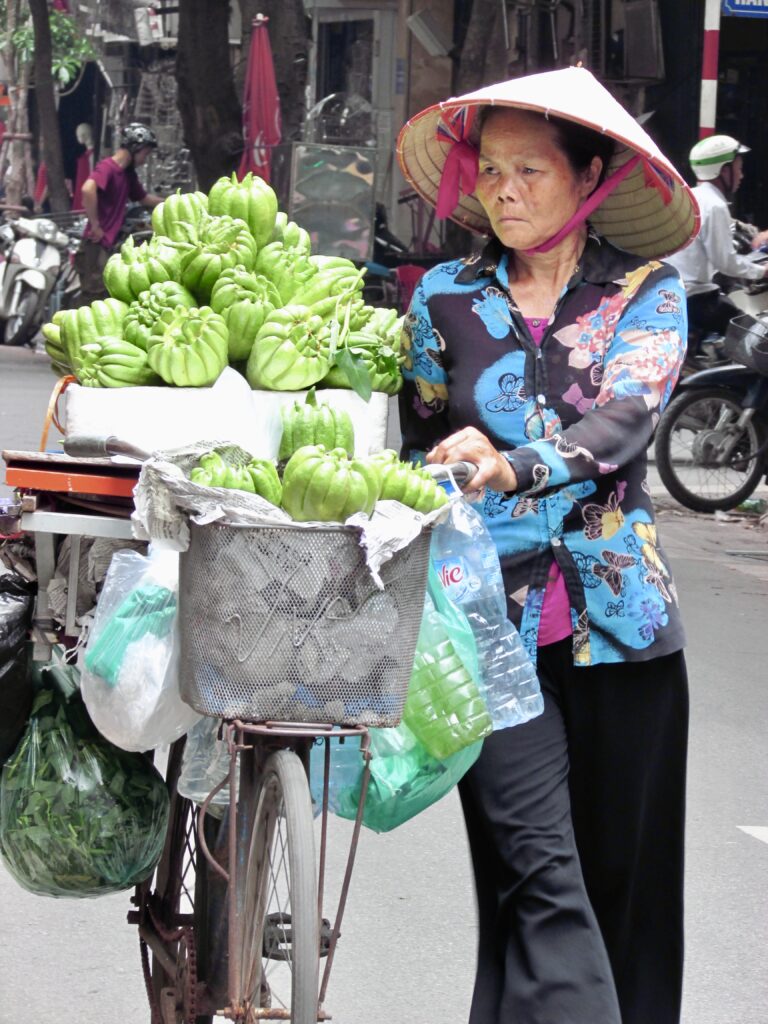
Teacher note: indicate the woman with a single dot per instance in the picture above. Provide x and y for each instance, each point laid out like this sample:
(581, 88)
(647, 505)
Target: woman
(546, 361)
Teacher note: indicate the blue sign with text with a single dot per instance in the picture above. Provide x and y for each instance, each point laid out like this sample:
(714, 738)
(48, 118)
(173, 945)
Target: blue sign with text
(746, 8)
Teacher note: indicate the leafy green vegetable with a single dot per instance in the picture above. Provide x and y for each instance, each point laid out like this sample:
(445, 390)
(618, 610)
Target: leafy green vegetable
(78, 816)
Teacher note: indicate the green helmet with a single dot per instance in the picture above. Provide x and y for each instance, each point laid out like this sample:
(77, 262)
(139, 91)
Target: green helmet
(709, 156)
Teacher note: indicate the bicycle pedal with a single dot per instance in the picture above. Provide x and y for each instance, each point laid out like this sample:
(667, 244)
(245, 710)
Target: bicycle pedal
(278, 937)
(326, 933)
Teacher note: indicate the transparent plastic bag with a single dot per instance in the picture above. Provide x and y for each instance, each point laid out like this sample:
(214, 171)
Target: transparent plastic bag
(204, 765)
(467, 565)
(405, 780)
(78, 816)
(445, 709)
(130, 672)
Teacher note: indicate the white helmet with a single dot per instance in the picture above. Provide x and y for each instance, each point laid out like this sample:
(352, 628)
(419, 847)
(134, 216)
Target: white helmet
(710, 155)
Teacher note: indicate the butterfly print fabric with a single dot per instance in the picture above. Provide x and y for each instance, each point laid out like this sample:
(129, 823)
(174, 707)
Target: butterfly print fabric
(574, 417)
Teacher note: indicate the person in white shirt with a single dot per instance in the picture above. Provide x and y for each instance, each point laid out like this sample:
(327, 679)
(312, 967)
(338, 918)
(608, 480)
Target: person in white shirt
(717, 163)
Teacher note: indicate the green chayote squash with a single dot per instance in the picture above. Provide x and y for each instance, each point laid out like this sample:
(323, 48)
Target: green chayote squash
(251, 200)
(113, 363)
(224, 242)
(133, 269)
(290, 234)
(180, 216)
(313, 422)
(144, 313)
(382, 321)
(287, 269)
(265, 480)
(188, 347)
(291, 351)
(379, 360)
(258, 476)
(102, 318)
(327, 486)
(213, 470)
(410, 485)
(245, 300)
(54, 345)
(330, 290)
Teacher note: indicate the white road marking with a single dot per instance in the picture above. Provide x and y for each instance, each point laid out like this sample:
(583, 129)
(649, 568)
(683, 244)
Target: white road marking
(757, 831)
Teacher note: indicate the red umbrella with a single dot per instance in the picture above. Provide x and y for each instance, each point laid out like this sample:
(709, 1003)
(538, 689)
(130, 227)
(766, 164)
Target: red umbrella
(261, 104)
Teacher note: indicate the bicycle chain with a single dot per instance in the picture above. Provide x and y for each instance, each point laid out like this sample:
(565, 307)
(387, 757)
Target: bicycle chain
(188, 938)
(154, 1009)
(186, 935)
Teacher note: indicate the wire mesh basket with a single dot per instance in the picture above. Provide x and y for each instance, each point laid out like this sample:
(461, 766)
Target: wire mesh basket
(282, 623)
(746, 342)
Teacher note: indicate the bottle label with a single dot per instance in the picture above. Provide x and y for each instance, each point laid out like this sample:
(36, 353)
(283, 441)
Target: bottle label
(457, 581)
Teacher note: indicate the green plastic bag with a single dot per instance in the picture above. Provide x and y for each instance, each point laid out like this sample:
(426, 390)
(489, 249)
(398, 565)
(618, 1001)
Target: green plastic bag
(78, 816)
(445, 709)
(405, 780)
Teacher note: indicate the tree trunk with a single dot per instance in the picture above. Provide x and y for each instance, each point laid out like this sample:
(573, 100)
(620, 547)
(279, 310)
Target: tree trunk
(479, 43)
(208, 104)
(46, 107)
(289, 35)
(16, 171)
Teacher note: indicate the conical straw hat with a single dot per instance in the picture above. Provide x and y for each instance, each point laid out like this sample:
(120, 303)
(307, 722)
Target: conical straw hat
(651, 212)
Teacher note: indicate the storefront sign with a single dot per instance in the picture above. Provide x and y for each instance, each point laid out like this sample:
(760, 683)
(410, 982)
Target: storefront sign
(746, 8)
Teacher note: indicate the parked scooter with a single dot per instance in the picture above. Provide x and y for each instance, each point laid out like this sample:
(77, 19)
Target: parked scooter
(31, 257)
(711, 444)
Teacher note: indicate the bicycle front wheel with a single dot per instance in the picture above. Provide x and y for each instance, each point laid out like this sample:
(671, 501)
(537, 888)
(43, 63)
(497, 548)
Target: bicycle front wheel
(281, 929)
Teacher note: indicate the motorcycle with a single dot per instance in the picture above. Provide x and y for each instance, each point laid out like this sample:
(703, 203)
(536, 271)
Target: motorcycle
(31, 258)
(705, 347)
(711, 444)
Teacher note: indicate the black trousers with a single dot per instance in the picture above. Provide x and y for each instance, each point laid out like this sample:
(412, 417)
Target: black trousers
(576, 828)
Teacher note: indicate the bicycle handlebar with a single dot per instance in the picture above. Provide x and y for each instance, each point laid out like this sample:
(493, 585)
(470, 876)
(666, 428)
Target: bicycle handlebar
(87, 446)
(462, 472)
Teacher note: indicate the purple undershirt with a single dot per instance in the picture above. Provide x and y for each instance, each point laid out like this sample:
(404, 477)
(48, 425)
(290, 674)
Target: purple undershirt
(555, 623)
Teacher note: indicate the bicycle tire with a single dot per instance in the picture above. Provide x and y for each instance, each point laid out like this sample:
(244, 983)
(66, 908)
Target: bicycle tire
(688, 480)
(282, 837)
(172, 889)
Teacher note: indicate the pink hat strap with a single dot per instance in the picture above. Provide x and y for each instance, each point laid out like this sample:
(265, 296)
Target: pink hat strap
(588, 206)
(459, 176)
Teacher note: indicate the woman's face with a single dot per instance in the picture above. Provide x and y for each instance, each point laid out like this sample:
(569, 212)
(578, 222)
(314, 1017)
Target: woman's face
(525, 182)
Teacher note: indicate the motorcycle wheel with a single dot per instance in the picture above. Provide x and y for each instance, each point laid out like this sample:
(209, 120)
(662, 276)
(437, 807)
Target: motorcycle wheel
(18, 326)
(691, 434)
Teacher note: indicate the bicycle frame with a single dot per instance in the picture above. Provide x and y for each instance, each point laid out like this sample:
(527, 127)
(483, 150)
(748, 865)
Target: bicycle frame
(250, 744)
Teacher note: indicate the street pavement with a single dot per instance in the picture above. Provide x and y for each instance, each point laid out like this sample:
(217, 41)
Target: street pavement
(408, 941)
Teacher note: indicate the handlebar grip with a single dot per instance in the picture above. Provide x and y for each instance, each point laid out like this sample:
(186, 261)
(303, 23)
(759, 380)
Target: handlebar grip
(88, 446)
(462, 472)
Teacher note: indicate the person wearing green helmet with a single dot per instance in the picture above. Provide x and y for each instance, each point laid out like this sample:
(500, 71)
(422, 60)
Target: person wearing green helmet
(717, 162)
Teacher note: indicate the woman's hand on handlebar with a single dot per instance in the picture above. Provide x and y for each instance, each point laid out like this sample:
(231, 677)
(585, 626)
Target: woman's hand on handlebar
(469, 445)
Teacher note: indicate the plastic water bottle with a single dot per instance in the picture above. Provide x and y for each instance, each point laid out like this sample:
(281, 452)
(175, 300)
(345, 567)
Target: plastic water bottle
(467, 564)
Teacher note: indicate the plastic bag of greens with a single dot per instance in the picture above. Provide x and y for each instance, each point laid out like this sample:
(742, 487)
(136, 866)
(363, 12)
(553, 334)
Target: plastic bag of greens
(130, 677)
(16, 598)
(78, 816)
(405, 780)
(445, 709)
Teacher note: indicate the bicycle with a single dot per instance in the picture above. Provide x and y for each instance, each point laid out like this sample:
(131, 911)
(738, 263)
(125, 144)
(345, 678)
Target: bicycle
(232, 923)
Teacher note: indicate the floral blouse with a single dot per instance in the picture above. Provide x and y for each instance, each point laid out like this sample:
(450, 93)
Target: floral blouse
(574, 417)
